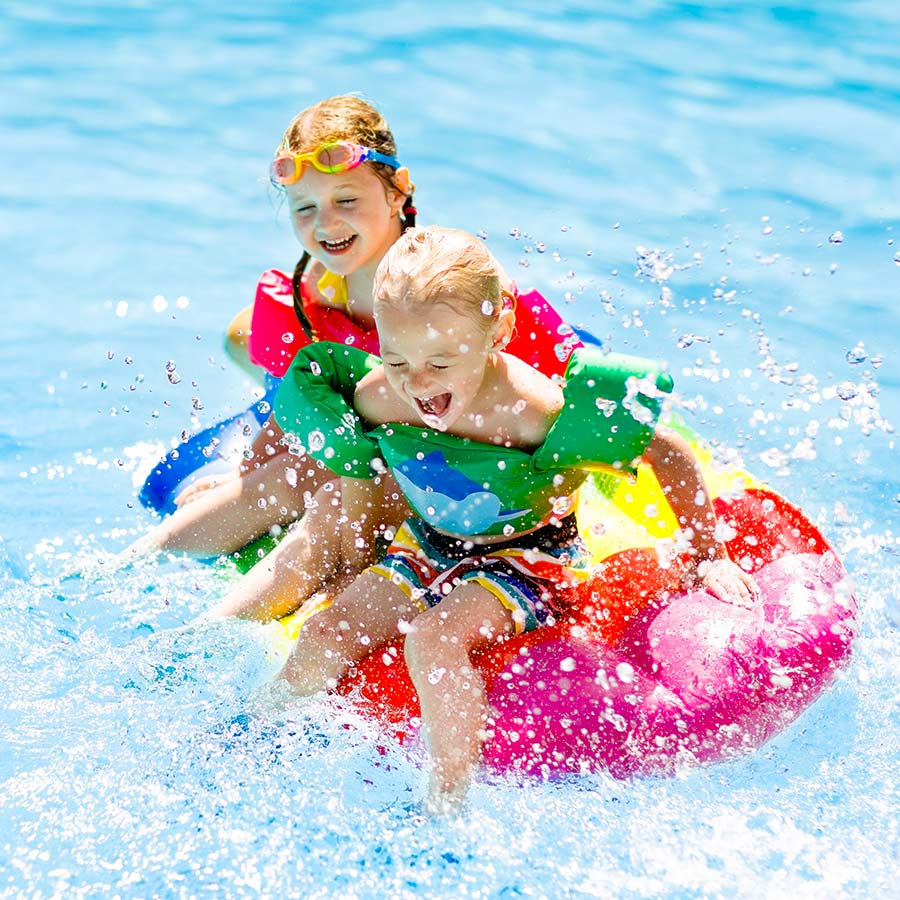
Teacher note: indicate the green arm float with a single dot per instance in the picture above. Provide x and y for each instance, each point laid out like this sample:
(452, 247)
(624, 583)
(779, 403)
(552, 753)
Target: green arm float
(612, 403)
(314, 404)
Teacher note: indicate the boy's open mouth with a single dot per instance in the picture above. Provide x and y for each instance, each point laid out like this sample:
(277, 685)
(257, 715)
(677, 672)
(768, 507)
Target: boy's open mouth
(434, 406)
(338, 246)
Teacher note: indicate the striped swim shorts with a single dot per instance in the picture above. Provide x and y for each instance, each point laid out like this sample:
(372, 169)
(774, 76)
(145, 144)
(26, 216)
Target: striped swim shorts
(529, 574)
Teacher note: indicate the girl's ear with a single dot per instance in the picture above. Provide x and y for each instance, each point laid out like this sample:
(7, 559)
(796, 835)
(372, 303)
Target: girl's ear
(403, 187)
(503, 331)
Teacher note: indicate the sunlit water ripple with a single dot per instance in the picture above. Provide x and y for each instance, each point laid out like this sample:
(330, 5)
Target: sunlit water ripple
(714, 183)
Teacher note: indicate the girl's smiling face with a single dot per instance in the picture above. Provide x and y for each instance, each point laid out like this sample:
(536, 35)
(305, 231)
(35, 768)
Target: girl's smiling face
(349, 220)
(435, 359)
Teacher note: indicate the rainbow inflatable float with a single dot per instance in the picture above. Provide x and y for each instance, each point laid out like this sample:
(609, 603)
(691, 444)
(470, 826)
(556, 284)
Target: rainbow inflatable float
(641, 676)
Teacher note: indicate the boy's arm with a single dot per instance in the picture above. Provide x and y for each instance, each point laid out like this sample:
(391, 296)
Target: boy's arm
(682, 482)
(361, 515)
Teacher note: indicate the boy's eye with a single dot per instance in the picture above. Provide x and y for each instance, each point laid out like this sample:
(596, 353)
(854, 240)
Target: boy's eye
(303, 210)
(396, 365)
(347, 200)
(439, 368)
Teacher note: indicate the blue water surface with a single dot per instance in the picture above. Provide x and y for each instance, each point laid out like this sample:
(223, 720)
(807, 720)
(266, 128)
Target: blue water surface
(714, 183)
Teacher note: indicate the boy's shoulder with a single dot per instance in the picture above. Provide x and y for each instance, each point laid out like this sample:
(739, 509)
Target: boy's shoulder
(533, 400)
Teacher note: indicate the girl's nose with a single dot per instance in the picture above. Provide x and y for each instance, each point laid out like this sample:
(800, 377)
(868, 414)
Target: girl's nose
(326, 219)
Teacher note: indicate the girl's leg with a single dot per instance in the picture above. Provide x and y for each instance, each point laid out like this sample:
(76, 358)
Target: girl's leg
(366, 614)
(225, 518)
(451, 692)
(309, 560)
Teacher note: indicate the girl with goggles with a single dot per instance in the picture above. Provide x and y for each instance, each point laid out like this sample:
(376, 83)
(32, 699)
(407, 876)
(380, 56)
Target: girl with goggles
(350, 200)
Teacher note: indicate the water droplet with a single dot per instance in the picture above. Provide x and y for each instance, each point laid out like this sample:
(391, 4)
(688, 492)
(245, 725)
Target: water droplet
(515, 233)
(897, 258)
(482, 235)
(122, 309)
(197, 403)
(846, 390)
(316, 440)
(625, 672)
(567, 664)
(857, 355)
(487, 308)
(264, 407)
(836, 237)
(508, 530)
(287, 337)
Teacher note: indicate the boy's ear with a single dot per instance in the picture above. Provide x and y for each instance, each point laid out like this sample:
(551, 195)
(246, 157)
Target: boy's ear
(503, 331)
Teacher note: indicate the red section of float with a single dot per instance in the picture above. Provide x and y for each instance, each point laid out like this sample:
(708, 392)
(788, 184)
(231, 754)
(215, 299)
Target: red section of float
(643, 677)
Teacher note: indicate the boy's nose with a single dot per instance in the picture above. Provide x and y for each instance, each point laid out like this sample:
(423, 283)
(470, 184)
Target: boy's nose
(418, 382)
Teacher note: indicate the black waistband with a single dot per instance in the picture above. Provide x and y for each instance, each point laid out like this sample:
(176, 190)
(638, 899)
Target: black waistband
(547, 538)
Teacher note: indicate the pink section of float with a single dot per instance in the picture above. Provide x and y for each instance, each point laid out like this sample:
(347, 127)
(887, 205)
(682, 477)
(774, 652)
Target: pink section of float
(698, 680)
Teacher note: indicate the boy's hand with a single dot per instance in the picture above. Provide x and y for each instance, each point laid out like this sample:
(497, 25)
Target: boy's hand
(726, 581)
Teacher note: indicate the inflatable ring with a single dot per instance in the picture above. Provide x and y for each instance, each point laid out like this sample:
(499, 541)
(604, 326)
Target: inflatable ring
(641, 676)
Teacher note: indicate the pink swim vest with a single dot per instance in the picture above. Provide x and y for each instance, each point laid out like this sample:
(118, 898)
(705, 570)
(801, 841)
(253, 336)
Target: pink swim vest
(541, 337)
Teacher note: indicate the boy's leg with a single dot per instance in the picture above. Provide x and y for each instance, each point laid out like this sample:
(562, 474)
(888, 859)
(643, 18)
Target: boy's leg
(451, 692)
(366, 614)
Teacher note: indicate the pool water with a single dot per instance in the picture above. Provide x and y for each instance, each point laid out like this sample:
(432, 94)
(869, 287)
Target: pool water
(714, 183)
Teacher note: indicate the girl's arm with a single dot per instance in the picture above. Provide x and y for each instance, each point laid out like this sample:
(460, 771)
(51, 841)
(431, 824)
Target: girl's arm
(362, 503)
(266, 445)
(682, 482)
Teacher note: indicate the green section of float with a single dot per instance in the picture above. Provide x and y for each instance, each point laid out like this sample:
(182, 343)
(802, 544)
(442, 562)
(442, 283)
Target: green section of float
(248, 556)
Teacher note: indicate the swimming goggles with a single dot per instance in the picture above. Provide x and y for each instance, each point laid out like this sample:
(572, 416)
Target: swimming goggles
(331, 158)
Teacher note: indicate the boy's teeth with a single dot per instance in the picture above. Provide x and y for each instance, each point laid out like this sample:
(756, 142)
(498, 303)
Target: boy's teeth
(436, 405)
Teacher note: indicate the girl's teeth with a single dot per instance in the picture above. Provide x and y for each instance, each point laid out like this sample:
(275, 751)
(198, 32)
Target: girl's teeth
(338, 245)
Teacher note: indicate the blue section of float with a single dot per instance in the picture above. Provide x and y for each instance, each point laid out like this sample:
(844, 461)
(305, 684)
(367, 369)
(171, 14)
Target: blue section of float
(209, 452)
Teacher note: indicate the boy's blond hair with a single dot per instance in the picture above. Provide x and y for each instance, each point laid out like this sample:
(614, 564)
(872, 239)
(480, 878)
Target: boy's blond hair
(442, 265)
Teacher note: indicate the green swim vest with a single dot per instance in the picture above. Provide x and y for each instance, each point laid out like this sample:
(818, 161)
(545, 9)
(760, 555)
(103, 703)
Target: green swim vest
(611, 404)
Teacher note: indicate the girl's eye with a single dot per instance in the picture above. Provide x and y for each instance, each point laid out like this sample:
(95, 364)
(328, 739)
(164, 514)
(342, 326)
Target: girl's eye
(396, 365)
(347, 201)
(303, 210)
(439, 368)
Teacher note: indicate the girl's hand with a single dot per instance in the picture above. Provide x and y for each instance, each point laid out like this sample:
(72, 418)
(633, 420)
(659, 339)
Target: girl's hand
(726, 581)
(199, 487)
